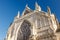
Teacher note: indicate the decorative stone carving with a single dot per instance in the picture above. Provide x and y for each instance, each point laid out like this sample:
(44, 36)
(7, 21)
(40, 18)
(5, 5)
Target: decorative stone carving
(25, 31)
(36, 25)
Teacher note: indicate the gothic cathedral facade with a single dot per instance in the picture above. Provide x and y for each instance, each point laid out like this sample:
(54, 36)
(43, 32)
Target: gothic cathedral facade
(34, 25)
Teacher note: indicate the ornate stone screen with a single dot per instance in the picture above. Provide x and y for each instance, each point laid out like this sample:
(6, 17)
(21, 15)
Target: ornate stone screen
(44, 32)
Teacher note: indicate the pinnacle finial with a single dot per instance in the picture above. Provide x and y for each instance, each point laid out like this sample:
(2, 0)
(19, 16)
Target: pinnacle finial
(18, 15)
(37, 7)
(27, 6)
(49, 11)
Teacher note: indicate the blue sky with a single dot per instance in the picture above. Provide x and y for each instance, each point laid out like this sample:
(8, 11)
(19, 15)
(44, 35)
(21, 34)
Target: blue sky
(9, 9)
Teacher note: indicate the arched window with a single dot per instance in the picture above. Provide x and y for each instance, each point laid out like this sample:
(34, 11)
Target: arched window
(25, 29)
(42, 22)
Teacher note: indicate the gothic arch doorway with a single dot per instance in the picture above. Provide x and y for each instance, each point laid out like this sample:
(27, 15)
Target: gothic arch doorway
(24, 31)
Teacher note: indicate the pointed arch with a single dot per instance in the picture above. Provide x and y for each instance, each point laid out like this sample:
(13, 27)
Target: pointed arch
(24, 31)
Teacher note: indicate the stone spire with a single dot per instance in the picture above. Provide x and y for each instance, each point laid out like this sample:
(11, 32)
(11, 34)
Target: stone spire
(18, 15)
(37, 7)
(26, 10)
(49, 11)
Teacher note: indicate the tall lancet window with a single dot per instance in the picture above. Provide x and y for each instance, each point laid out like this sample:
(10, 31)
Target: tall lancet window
(25, 29)
(46, 21)
(42, 22)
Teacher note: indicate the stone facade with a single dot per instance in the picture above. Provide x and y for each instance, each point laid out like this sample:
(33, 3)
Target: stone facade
(34, 25)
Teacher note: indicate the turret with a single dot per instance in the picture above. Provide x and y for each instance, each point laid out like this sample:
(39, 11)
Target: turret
(26, 10)
(37, 7)
(18, 15)
(48, 11)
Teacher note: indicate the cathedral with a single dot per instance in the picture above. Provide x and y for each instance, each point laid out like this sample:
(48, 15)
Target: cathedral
(34, 25)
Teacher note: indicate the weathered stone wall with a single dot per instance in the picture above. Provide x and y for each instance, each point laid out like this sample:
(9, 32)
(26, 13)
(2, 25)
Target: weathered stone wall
(34, 25)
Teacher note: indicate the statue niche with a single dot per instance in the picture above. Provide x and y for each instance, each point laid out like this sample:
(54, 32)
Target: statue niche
(25, 31)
